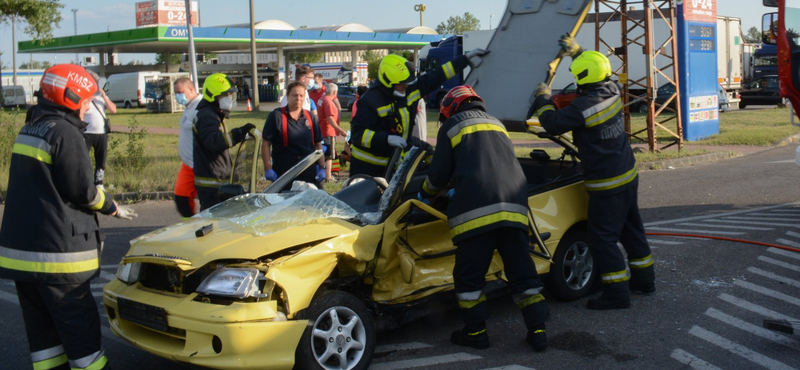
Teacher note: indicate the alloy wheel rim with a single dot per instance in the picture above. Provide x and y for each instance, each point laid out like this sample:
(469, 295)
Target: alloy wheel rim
(338, 339)
(578, 265)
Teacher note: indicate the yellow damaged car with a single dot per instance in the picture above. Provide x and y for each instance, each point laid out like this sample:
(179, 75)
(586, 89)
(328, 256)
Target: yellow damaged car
(305, 279)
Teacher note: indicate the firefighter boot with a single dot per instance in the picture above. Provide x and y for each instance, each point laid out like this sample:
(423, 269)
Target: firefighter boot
(615, 296)
(477, 339)
(537, 337)
(474, 312)
(643, 280)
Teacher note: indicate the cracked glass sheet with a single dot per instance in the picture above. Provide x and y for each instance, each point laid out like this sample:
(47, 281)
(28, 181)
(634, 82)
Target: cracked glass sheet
(265, 214)
(373, 218)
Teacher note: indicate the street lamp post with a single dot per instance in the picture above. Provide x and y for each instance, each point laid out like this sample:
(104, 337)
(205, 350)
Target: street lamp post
(75, 21)
(192, 53)
(253, 56)
(421, 9)
(490, 21)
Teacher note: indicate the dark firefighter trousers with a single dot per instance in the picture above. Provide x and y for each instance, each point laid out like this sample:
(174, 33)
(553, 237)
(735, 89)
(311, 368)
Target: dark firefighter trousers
(615, 218)
(62, 325)
(473, 257)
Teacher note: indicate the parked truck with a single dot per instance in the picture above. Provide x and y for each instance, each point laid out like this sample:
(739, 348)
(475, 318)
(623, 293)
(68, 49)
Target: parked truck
(765, 61)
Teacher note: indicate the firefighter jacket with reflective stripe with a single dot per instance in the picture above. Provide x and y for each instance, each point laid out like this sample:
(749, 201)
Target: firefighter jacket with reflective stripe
(381, 114)
(212, 161)
(475, 156)
(598, 128)
(50, 233)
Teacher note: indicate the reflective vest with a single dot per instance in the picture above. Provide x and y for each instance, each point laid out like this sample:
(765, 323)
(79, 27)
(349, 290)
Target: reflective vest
(474, 154)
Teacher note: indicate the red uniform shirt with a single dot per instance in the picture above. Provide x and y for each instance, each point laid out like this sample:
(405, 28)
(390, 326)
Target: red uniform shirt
(326, 108)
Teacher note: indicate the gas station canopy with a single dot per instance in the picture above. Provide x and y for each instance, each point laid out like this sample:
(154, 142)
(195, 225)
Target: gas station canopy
(171, 39)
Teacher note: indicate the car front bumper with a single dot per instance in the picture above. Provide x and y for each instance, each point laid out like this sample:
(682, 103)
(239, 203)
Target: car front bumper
(235, 336)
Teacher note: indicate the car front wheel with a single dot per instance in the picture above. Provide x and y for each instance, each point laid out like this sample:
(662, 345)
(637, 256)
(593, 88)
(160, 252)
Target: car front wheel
(573, 273)
(340, 334)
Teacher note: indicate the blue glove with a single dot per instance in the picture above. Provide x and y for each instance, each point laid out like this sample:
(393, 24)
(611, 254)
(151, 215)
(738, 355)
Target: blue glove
(451, 192)
(324, 148)
(270, 175)
(423, 199)
(320, 174)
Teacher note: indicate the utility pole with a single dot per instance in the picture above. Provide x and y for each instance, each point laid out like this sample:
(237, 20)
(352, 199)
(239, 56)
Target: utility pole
(14, 47)
(490, 21)
(75, 20)
(421, 9)
(253, 60)
(192, 54)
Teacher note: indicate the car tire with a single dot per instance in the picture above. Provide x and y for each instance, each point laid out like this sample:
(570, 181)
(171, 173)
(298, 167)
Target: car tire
(337, 323)
(742, 105)
(128, 105)
(642, 108)
(572, 273)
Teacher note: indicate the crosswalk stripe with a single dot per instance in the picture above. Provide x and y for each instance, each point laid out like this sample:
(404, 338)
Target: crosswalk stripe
(510, 367)
(691, 360)
(774, 214)
(789, 210)
(738, 349)
(753, 329)
(752, 307)
(788, 242)
(764, 218)
(785, 253)
(779, 263)
(693, 218)
(685, 231)
(727, 226)
(386, 348)
(773, 276)
(768, 292)
(794, 234)
(424, 361)
(667, 242)
(753, 223)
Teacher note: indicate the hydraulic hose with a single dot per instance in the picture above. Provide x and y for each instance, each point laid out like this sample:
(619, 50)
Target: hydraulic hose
(727, 239)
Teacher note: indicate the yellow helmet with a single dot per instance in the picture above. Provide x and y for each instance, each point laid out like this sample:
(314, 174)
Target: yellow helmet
(215, 85)
(590, 67)
(395, 69)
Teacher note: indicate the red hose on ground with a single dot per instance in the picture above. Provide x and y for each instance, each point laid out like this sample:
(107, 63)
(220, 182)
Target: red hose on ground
(727, 239)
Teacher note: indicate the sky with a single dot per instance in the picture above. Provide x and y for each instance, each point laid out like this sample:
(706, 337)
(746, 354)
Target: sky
(112, 15)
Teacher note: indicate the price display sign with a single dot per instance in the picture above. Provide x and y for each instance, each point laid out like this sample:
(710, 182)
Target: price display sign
(697, 66)
(163, 12)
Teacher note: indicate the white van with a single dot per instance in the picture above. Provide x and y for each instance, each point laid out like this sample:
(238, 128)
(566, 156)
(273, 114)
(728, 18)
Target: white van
(128, 89)
(14, 96)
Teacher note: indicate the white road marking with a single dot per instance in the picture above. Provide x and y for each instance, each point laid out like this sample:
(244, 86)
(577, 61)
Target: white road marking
(107, 275)
(773, 276)
(400, 347)
(511, 367)
(779, 263)
(794, 234)
(753, 223)
(425, 361)
(693, 218)
(768, 292)
(738, 349)
(771, 214)
(109, 267)
(97, 294)
(763, 311)
(8, 297)
(764, 218)
(687, 231)
(667, 242)
(784, 253)
(727, 226)
(783, 161)
(788, 243)
(691, 360)
(788, 210)
(753, 329)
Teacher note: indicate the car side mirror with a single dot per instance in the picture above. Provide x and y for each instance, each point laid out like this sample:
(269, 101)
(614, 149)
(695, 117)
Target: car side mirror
(769, 25)
(229, 191)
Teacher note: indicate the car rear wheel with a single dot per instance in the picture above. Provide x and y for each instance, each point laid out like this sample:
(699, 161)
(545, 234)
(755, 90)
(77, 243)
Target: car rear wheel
(128, 105)
(742, 105)
(340, 334)
(573, 273)
(642, 108)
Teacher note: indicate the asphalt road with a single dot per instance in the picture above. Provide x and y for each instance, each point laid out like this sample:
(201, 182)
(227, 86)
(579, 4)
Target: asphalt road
(707, 314)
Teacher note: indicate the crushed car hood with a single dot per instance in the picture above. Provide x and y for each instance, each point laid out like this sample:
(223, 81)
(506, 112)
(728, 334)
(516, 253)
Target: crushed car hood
(248, 227)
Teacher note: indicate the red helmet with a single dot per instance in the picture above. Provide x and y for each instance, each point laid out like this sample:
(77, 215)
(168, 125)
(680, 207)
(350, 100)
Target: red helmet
(454, 99)
(67, 85)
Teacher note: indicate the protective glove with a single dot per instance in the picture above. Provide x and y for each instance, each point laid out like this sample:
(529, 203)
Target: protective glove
(247, 128)
(422, 198)
(451, 192)
(542, 89)
(320, 174)
(397, 141)
(569, 45)
(478, 52)
(126, 213)
(270, 175)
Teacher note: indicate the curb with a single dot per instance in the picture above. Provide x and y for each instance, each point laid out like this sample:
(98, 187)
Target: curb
(685, 161)
(139, 197)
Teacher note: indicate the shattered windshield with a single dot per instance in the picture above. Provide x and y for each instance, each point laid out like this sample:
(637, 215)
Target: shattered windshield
(391, 192)
(265, 214)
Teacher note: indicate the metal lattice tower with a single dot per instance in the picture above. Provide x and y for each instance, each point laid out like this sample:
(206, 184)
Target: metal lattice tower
(636, 28)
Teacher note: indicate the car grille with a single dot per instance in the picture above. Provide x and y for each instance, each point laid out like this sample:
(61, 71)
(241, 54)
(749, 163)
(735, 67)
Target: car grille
(170, 279)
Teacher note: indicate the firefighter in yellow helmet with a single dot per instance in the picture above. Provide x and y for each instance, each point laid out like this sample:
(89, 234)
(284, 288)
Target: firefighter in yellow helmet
(595, 119)
(212, 161)
(387, 110)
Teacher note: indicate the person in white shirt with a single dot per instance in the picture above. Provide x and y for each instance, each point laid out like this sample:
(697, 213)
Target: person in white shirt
(185, 192)
(305, 75)
(96, 133)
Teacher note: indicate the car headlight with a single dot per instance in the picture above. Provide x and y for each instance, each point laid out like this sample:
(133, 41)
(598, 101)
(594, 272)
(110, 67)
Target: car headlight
(129, 273)
(231, 282)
